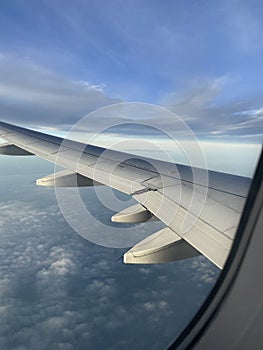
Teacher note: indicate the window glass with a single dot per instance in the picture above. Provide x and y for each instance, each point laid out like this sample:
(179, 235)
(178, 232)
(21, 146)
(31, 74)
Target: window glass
(191, 73)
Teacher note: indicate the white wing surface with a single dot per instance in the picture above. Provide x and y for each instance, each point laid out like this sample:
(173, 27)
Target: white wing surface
(201, 217)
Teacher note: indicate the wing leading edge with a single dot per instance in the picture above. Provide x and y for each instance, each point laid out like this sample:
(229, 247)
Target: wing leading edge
(163, 190)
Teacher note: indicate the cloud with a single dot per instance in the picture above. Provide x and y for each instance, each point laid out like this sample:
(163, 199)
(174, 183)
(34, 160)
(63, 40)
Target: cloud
(32, 94)
(201, 106)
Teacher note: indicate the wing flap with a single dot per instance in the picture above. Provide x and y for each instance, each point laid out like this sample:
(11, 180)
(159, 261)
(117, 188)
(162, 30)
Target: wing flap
(198, 231)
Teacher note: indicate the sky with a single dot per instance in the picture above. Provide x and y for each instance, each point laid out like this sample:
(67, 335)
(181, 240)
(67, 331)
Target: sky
(200, 63)
(60, 60)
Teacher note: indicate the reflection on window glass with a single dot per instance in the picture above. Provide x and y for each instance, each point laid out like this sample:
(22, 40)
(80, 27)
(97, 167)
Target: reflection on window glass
(193, 74)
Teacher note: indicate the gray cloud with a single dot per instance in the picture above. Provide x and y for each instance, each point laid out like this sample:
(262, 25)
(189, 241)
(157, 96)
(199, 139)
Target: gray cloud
(206, 116)
(33, 94)
(200, 106)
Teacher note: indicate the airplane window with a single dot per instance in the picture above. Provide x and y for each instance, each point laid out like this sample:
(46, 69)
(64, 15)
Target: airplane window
(220, 314)
(127, 244)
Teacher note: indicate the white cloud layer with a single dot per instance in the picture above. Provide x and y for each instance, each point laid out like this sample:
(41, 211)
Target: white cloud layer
(58, 291)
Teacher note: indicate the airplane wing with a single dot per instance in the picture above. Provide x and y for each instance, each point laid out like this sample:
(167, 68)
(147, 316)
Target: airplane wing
(200, 217)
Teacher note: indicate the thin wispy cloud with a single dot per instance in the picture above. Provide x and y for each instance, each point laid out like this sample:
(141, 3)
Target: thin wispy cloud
(244, 26)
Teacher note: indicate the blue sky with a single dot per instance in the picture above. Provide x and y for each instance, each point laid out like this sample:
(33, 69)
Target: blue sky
(148, 47)
(202, 60)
